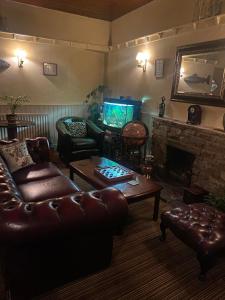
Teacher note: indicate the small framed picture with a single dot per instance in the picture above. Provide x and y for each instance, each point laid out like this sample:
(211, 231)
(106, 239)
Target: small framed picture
(49, 69)
(159, 68)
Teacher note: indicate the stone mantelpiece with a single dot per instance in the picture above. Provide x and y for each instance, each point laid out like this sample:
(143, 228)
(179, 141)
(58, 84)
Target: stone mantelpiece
(208, 146)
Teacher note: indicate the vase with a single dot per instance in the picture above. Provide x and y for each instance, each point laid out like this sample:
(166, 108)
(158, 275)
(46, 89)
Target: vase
(11, 118)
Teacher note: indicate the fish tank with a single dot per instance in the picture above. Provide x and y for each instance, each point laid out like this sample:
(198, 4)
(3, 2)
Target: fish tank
(117, 112)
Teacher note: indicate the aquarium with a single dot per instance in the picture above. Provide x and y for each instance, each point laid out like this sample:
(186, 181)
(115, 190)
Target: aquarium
(116, 115)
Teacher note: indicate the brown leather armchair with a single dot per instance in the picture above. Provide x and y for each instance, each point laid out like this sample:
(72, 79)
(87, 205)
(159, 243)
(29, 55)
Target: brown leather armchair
(75, 148)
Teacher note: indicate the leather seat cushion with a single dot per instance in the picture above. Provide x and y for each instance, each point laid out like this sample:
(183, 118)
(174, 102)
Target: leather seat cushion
(83, 143)
(200, 226)
(43, 189)
(36, 172)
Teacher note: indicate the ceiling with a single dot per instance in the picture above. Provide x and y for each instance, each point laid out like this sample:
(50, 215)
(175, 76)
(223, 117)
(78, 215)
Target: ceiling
(101, 9)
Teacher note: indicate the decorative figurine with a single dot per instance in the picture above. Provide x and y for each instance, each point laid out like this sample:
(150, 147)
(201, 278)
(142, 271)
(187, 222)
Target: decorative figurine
(162, 107)
(194, 114)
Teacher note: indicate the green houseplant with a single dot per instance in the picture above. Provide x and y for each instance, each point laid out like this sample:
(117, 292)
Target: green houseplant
(94, 101)
(13, 103)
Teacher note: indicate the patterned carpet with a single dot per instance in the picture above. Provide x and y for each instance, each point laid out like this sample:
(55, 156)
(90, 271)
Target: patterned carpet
(145, 268)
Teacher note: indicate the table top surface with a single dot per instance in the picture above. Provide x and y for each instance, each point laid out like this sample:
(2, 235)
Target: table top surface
(85, 169)
(18, 123)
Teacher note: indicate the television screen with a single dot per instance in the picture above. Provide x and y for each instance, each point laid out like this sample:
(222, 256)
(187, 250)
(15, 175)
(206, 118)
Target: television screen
(117, 115)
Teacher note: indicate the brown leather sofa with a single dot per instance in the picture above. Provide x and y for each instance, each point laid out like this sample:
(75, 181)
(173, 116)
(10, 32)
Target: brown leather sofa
(201, 227)
(50, 231)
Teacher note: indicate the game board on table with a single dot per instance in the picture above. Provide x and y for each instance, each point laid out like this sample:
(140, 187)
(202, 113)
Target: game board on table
(113, 173)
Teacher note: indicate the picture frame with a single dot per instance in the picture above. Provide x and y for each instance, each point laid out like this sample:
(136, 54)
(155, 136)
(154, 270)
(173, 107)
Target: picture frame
(159, 68)
(194, 58)
(50, 69)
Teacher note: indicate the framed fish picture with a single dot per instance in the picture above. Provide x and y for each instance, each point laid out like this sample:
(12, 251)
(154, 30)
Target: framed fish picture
(199, 75)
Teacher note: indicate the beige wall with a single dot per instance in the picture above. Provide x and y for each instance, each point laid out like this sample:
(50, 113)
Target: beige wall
(124, 78)
(79, 72)
(31, 20)
(153, 17)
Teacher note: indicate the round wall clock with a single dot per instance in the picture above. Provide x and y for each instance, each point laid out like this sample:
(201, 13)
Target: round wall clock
(194, 114)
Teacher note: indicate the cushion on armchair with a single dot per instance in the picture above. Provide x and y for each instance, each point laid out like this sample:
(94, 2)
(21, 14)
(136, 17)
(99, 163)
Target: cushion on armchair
(77, 129)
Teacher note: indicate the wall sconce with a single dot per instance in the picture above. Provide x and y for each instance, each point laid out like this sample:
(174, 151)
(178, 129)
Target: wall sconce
(21, 55)
(142, 59)
(181, 72)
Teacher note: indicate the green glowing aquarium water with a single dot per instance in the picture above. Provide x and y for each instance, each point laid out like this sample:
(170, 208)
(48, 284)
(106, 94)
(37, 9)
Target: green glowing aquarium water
(116, 114)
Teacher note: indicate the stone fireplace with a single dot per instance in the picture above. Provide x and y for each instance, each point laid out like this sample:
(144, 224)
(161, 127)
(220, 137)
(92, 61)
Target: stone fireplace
(179, 163)
(205, 152)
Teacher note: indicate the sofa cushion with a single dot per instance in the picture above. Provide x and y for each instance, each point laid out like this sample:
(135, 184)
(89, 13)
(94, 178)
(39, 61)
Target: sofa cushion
(83, 143)
(43, 189)
(16, 155)
(36, 172)
(77, 129)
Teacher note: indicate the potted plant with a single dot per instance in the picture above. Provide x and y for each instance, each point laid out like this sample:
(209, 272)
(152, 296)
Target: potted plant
(94, 102)
(13, 103)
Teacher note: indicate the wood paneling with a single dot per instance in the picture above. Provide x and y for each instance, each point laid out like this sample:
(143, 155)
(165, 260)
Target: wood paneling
(54, 112)
(100, 9)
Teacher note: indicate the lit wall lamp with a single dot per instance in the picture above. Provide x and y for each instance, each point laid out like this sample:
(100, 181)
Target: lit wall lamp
(182, 72)
(21, 55)
(142, 59)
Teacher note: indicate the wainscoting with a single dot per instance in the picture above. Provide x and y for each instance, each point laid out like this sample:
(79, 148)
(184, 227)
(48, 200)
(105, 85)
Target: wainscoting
(41, 127)
(45, 117)
(39, 114)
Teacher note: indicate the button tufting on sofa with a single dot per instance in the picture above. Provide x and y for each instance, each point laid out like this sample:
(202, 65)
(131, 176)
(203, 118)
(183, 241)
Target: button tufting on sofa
(44, 216)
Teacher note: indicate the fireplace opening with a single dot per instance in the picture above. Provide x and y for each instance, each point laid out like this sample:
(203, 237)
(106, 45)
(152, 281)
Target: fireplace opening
(179, 165)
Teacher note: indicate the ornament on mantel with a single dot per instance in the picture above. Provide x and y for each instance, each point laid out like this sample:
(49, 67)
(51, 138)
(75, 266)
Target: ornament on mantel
(162, 107)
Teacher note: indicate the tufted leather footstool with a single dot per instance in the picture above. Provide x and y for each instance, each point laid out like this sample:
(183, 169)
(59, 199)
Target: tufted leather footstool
(199, 226)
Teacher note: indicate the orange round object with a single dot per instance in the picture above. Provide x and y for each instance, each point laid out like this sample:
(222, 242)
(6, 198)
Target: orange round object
(134, 133)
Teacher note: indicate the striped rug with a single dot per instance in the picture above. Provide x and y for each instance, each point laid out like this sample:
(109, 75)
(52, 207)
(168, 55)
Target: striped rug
(145, 268)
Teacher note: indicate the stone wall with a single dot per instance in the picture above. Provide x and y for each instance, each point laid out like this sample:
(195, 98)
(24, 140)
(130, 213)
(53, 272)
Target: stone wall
(208, 146)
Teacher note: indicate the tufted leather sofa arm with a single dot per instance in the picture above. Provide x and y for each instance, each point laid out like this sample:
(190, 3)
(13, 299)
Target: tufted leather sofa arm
(38, 149)
(78, 214)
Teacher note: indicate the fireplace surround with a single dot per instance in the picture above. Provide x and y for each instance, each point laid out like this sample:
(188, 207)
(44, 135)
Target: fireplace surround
(179, 163)
(205, 144)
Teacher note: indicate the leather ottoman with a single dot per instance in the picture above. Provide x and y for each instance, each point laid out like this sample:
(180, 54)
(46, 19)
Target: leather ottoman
(199, 226)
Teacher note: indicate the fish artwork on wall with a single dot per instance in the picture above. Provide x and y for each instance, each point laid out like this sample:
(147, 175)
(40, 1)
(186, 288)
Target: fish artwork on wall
(197, 79)
(4, 65)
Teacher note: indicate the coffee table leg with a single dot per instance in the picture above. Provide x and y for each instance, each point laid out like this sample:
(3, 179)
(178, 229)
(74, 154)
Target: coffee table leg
(156, 206)
(71, 174)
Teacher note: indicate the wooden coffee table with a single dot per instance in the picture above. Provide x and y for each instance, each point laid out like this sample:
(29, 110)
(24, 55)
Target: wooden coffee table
(145, 188)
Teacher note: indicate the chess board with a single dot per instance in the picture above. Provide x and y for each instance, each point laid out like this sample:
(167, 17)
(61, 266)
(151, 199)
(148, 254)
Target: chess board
(113, 174)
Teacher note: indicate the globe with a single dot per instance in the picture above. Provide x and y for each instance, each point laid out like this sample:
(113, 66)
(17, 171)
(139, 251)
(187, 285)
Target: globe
(134, 133)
